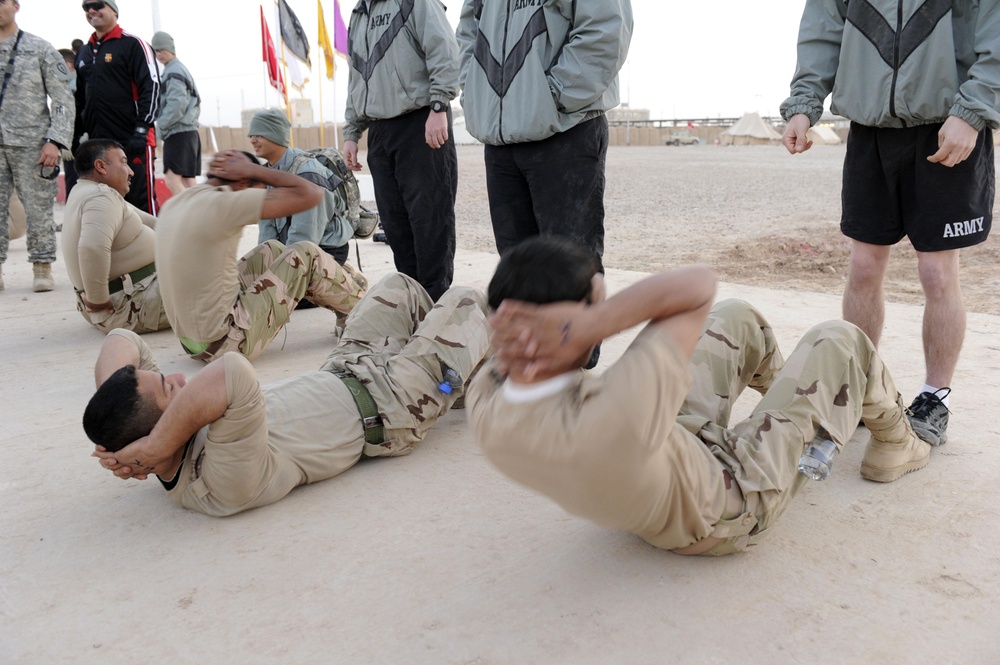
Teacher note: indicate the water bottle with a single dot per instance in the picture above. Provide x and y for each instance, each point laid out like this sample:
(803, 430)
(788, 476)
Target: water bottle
(450, 379)
(817, 460)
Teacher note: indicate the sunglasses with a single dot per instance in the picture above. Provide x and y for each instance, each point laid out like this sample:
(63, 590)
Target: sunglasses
(48, 172)
(96, 6)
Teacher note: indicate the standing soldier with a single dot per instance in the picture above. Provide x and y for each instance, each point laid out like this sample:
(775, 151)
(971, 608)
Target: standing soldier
(178, 121)
(31, 136)
(404, 74)
(118, 96)
(920, 83)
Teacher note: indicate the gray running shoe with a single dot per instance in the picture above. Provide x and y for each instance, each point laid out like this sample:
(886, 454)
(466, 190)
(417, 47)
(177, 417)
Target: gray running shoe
(929, 416)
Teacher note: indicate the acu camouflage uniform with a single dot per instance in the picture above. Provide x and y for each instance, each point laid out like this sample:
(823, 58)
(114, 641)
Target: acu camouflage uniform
(37, 75)
(273, 279)
(833, 377)
(398, 342)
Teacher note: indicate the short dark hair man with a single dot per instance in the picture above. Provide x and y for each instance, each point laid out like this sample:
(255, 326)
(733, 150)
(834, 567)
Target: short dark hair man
(635, 448)
(118, 96)
(109, 244)
(221, 444)
(214, 302)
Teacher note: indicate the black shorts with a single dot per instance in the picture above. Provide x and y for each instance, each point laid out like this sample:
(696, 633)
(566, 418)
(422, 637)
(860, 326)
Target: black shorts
(891, 190)
(182, 154)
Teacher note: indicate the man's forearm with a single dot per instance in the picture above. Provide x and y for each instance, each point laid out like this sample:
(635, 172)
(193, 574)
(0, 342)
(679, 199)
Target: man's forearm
(202, 401)
(654, 299)
(116, 352)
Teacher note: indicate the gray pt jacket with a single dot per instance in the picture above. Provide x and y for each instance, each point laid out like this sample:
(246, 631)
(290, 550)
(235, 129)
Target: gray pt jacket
(180, 103)
(403, 56)
(534, 68)
(899, 63)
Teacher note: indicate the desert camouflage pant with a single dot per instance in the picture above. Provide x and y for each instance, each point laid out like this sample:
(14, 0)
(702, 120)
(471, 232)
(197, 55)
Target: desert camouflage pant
(137, 308)
(833, 377)
(398, 342)
(273, 279)
(18, 168)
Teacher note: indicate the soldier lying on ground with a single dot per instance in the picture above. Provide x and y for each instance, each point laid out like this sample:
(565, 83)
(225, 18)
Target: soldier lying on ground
(221, 444)
(647, 446)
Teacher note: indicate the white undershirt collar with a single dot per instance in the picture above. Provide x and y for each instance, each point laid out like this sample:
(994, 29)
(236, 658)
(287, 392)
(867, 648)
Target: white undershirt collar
(525, 393)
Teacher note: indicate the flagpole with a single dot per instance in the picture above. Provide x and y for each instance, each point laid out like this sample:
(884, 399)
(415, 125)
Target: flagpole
(288, 104)
(322, 139)
(336, 134)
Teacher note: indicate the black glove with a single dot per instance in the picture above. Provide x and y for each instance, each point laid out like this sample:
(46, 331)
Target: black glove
(138, 141)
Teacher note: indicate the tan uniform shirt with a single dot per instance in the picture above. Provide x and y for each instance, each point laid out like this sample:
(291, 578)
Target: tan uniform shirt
(607, 447)
(197, 237)
(104, 237)
(270, 440)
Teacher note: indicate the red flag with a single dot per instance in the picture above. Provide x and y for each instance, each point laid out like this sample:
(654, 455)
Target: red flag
(270, 55)
(690, 124)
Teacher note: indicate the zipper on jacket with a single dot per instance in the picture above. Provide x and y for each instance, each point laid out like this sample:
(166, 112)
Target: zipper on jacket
(895, 58)
(503, 72)
(368, 53)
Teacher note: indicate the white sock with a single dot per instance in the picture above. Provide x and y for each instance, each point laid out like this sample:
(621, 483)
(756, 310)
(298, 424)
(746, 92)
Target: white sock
(932, 390)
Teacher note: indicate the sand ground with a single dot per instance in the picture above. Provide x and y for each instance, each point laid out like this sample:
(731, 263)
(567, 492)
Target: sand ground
(436, 558)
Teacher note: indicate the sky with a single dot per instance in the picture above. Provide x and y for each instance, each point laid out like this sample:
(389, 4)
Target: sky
(686, 60)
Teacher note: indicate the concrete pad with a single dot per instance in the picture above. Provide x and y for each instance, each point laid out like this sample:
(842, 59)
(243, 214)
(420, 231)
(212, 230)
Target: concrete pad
(437, 558)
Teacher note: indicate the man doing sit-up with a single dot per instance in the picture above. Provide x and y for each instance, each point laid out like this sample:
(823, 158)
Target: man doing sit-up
(647, 446)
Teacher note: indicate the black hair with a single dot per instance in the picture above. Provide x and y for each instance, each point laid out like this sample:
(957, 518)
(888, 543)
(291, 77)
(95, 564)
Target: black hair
(117, 414)
(90, 151)
(543, 269)
(226, 181)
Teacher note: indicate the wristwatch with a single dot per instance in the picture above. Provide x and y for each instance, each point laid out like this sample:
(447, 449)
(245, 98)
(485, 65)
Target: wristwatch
(56, 144)
(439, 107)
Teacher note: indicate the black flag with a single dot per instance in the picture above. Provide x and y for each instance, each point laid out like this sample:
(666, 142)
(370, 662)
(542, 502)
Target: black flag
(292, 33)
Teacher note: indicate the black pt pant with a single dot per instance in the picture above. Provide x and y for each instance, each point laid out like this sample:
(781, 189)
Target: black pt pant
(415, 189)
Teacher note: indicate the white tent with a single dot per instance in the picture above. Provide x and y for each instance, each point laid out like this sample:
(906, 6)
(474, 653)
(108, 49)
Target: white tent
(823, 135)
(750, 130)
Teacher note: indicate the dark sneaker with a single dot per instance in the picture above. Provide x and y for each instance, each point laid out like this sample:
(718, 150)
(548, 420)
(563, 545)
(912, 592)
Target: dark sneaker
(929, 416)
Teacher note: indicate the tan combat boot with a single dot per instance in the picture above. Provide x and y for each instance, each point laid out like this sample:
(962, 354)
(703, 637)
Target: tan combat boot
(43, 277)
(894, 449)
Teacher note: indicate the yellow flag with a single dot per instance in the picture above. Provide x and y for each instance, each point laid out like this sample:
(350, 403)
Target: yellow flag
(324, 42)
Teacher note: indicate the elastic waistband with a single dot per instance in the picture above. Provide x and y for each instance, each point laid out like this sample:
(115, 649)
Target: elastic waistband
(202, 350)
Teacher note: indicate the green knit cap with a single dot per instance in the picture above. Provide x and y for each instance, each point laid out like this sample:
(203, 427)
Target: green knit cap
(272, 125)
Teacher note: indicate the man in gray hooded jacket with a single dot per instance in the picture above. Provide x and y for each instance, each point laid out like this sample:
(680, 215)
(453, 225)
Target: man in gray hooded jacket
(404, 74)
(178, 121)
(537, 79)
(920, 81)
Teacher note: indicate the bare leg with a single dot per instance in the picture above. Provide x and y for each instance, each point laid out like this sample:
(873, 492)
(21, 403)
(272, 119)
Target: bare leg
(188, 182)
(864, 300)
(944, 314)
(174, 182)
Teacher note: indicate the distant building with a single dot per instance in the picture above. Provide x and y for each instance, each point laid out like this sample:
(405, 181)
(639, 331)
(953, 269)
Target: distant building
(625, 114)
